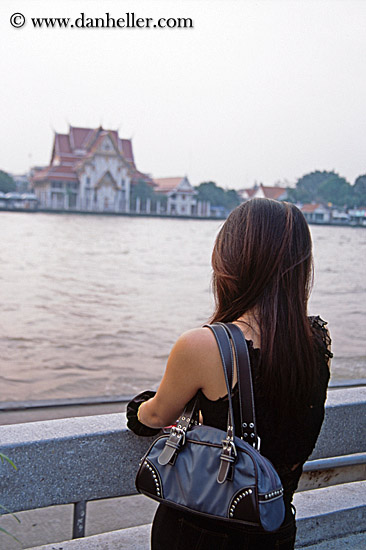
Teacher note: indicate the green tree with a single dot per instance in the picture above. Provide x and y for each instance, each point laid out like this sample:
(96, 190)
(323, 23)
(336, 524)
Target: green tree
(232, 199)
(336, 190)
(359, 191)
(322, 187)
(209, 191)
(7, 184)
(144, 191)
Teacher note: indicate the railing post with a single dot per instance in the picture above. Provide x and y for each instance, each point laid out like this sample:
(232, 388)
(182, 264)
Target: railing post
(78, 528)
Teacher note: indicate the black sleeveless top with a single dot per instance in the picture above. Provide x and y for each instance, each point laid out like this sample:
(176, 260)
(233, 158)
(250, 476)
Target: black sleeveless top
(290, 442)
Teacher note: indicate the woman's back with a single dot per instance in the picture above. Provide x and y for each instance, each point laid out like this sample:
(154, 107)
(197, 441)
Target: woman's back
(262, 272)
(286, 440)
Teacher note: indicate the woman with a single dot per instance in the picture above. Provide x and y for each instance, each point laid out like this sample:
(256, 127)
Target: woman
(262, 271)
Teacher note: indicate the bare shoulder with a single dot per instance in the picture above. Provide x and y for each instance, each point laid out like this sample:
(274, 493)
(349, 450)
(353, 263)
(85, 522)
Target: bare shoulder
(197, 341)
(196, 353)
(197, 348)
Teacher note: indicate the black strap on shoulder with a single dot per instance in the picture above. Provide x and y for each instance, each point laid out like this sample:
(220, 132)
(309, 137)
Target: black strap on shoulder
(178, 433)
(245, 385)
(226, 354)
(228, 452)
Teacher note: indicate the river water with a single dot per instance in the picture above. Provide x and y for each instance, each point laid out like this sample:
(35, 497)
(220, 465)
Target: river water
(91, 305)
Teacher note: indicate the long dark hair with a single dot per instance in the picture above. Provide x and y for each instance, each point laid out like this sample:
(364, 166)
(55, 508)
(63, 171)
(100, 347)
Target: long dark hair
(262, 261)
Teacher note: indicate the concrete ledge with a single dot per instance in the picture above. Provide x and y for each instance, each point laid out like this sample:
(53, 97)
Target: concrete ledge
(89, 458)
(65, 461)
(325, 472)
(322, 515)
(325, 514)
(351, 542)
(133, 538)
(344, 429)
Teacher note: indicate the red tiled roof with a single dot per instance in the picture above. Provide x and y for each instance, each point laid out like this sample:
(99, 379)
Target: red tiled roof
(125, 146)
(273, 192)
(269, 192)
(56, 173)
(164, 185)
(62, 144)
(84, 139)
(80, 143)
(79, 137)
(310, 207)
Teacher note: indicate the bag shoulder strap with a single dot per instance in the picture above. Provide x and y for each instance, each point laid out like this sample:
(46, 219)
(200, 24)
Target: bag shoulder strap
(226, 354)
(245, 385)
(178, 433)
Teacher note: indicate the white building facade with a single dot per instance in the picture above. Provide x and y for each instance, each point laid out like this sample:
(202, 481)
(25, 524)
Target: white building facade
(105, 179)
(181, 197)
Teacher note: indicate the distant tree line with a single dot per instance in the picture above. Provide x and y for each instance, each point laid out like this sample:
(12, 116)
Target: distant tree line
(329, 187)
(7, 184)
(209, 191)
(206, 191)
(324, 187)
(141, 190)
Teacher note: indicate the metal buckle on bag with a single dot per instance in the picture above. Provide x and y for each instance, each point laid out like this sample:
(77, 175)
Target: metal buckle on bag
(176, 439)
(228, 446)
(227, 458)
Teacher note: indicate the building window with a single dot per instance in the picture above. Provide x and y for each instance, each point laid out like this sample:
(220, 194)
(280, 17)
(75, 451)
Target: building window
(87, 181)
(57, 185)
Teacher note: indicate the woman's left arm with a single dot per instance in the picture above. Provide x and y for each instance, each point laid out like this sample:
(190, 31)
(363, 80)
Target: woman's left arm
(184, 376)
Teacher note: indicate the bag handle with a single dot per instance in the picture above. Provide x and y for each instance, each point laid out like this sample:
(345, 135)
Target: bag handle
(227, 360)
(177, 433)
(224, 335)
(245, 385)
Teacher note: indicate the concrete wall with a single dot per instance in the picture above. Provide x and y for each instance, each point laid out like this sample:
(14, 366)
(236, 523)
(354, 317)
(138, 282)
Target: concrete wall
(87, 458)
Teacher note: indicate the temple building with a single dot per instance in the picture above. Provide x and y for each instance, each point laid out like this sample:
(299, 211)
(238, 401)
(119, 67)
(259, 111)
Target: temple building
(90, 170)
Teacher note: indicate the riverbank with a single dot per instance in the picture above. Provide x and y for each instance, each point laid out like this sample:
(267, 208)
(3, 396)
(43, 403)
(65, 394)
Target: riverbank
(158, 216)
(19, 412)
(112, 214)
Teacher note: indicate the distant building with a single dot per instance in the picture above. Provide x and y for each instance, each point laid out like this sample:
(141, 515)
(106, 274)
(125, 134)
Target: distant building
(317, 213)
(181, 197)
(22, 182)
(18, 201)
(263, 192)
(3, 200)
(90, 170)
(340, 216)
(219, 211)
(357, 216)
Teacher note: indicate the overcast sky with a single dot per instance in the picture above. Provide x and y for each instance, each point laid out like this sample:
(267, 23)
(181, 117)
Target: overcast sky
(257, 90)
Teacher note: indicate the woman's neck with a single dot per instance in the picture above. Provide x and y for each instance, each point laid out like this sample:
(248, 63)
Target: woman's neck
(249, 324)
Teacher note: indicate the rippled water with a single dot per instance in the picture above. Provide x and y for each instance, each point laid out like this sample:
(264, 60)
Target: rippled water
(91, 305)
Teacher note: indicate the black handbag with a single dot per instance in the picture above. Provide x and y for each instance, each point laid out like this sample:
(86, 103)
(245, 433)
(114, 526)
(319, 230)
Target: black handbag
(208, 471)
